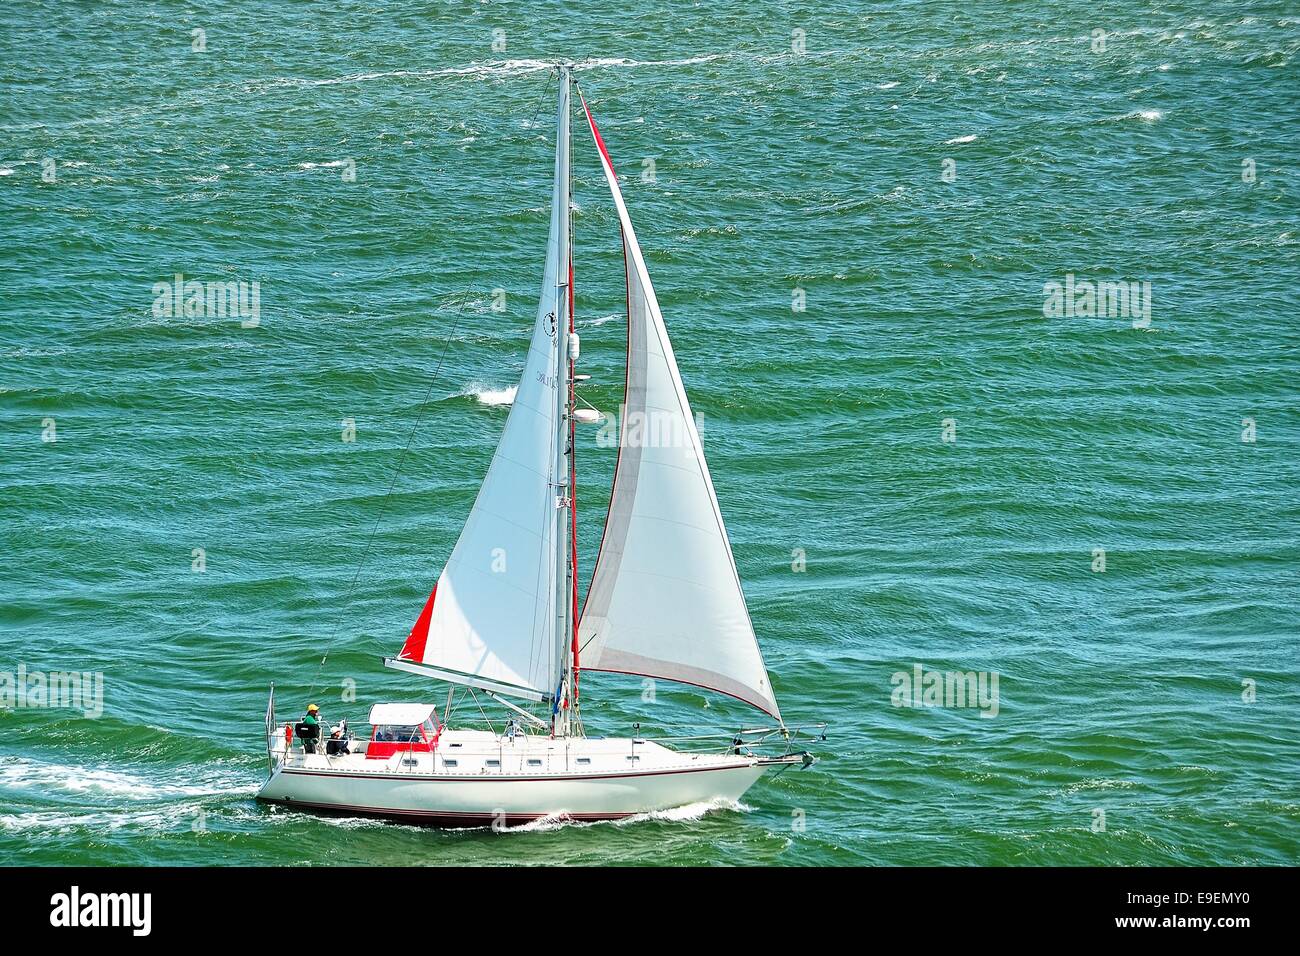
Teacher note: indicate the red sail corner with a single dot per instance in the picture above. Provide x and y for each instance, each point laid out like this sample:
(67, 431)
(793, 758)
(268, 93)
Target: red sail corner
(413, 649)
(600, 142)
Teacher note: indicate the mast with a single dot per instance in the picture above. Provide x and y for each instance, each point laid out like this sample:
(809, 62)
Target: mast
(564, 516)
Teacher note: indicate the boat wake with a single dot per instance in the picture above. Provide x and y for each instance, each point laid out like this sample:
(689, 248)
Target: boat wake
(684, 814)
(692, 811)
(97, 799)
(94, 821)
(20, 773)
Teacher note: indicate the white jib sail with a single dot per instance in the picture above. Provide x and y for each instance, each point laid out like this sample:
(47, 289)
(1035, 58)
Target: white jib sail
(665, 598)
(491, 619)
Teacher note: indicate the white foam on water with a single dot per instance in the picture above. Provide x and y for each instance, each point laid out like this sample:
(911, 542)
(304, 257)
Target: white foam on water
(485, 395)
(622, 61)
(23, 774)
(546, 824)
(330, 165)
(32, 353)
(960, 139)
(500, 69)
(1098, 783)
(6, 171)
(288, 815)
(887, 86)
(692, 811)
(590, 323)
(1146, 116)
(61, 822)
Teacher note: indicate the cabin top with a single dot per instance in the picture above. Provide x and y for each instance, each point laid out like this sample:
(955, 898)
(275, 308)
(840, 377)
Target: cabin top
(409, 715)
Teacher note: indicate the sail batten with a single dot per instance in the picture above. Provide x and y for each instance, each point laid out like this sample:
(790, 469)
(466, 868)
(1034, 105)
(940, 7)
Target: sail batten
(665, 599)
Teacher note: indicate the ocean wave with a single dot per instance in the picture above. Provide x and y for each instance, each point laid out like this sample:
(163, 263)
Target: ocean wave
(499, 69)
(1146, 116)
(333, 164)
(486, 395)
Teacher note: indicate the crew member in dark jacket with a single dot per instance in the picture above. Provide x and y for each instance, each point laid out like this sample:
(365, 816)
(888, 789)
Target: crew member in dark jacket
(311, 720)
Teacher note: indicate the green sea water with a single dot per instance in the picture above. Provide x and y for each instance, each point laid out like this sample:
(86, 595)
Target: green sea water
(921, 466)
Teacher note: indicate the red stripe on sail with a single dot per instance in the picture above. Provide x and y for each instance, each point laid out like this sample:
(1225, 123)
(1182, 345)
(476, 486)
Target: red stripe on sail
(600, 143)
(627, 372)
(413, 649)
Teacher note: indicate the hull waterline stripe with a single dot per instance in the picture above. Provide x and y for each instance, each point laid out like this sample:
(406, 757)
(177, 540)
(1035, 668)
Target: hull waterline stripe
(447, 816)
(475, 778)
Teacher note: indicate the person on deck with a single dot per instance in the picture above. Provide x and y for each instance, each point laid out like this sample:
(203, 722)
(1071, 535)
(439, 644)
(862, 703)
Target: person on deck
(338, 742)
(312, 720)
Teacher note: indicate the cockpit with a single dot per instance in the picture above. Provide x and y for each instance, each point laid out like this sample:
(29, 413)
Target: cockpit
(402, 728)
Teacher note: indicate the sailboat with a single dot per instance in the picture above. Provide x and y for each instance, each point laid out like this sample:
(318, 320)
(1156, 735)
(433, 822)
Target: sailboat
(502, 620)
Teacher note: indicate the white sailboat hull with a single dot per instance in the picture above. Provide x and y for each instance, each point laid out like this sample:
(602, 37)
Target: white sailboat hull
(532, 778)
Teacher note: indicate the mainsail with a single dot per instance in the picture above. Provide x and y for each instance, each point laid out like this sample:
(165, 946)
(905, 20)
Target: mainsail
(665, 598)
(492, 618)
